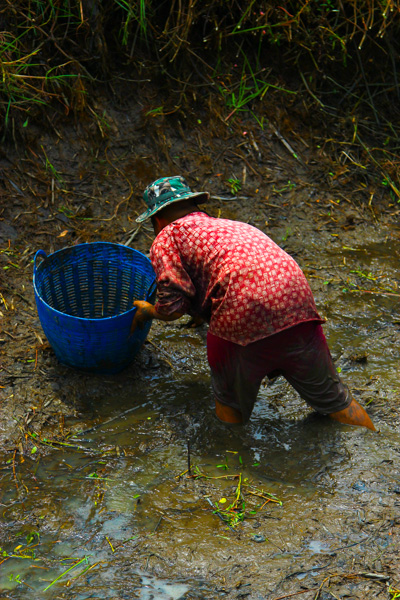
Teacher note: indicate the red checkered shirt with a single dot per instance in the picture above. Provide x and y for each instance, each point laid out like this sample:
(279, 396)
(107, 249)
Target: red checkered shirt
(231, 274)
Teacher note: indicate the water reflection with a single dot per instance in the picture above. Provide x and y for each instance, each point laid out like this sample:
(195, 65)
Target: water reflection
(119, 499)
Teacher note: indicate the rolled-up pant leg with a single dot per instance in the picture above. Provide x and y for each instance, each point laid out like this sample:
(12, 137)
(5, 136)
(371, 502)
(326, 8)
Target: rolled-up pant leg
(309, 368)
(233, 381)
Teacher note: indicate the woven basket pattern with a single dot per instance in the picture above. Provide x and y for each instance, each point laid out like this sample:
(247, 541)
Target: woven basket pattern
(84, 296)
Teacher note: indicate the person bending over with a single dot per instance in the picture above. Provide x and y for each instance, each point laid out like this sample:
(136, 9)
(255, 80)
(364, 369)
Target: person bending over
(259, 306)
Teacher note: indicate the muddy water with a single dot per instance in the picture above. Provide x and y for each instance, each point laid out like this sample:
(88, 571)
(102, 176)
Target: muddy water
(116, 515)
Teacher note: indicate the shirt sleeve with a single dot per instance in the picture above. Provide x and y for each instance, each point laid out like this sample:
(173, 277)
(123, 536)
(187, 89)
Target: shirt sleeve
(175, 289)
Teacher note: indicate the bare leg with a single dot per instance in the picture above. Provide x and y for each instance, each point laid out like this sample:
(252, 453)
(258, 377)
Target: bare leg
(354, 414)
(227, 414)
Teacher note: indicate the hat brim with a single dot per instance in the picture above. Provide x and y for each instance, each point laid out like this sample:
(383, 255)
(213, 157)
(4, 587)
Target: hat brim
(200, 197)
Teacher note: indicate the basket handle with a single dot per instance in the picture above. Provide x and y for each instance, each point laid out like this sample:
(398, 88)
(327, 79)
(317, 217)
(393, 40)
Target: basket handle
(152, 287)
(41, 253)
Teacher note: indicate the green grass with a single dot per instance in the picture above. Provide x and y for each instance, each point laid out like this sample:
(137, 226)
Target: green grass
(135, 13)
(52, 51)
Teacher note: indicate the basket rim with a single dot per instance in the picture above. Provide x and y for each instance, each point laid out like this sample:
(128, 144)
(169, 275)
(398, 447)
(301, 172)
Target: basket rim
(128, 248)
(66, 315)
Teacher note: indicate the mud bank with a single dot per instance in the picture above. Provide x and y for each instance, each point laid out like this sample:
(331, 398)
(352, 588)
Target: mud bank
(93, 468)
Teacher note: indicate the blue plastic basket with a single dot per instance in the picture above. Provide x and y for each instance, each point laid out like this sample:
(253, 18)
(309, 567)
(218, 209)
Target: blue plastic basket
(84, 296)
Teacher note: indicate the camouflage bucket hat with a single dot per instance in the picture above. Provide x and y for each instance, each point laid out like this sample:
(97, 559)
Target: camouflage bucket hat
(165, 191)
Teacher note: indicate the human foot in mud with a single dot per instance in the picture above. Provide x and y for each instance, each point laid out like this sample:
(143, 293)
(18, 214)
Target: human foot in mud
(354, 414)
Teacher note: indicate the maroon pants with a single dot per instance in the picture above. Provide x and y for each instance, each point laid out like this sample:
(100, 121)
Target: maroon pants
(300, 354)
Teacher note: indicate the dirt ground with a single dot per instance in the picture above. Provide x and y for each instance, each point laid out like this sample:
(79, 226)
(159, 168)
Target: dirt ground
(82, 182)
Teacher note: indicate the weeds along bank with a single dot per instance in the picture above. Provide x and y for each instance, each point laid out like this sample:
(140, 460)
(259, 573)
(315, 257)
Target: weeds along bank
(339, 59)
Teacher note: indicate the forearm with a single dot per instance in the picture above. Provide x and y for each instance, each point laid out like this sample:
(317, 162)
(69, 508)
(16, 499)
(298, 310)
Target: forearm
(146, 312)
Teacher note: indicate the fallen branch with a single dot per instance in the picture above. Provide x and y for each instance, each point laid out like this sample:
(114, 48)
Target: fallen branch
(296, 593)
(285, 143)
(134, 234)
(372, 292)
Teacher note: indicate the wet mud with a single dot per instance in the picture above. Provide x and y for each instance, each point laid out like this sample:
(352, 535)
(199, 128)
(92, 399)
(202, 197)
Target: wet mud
(115, 486)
